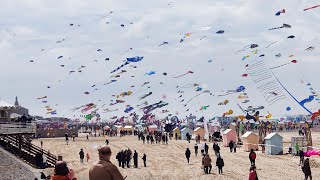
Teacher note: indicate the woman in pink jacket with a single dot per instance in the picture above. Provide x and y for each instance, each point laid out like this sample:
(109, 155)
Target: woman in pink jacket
(253, 173)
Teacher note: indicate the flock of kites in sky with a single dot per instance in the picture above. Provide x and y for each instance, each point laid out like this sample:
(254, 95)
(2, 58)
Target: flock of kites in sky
(271, 89)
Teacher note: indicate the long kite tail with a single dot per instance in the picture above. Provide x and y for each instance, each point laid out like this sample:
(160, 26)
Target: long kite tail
(126, 63)
(181, 75)
(311, 7)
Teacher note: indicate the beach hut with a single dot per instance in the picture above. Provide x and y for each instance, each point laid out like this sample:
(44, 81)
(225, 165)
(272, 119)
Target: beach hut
(176, 131)
(199, 131)
(184, 132)
(250, 141)
(152, 128)
(274, 144)
(233, 126)
(128, 128)
(227, 136)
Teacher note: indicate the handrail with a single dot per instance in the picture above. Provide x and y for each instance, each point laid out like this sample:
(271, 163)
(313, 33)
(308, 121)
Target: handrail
(13, 127)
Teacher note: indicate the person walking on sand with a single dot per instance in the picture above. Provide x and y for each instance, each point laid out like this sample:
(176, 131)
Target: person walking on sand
(104, 169)
(88, 157)
(234, 147)
(107, 142)
(306, 169)
(81, 153)
(301, 154)
(188, 153)
(231, 145)
(206, 148)
(67, 138)
(196, 149)
(216, 149)
(207, 164)
(87, 137)
(252, 157)
(144, 158)
(220, 164)
(41, 143)
(253, 173)
(135, 159)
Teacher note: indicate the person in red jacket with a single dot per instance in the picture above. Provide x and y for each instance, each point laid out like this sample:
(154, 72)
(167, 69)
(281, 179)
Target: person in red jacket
(252, 157)
(253, 173)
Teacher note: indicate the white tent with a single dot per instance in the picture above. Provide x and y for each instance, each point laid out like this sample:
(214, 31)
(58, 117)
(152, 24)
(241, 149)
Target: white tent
(15, 115)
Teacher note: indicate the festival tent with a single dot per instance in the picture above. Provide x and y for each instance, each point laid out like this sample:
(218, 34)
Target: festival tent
(184, 132)
(5, 104)
(227, 136)
(274, 144)
(176, 131)
(199, 131)
(250, 141)
(152, 128)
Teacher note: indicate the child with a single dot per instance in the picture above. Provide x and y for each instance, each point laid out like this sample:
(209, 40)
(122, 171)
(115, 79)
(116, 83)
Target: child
(88, 157)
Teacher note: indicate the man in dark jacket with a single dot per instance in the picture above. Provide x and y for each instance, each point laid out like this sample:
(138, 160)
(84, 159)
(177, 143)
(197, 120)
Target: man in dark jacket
(231, 146)
(135, 159)
(252, 157)
(196, 149)
(188, 153)
(220, 164)
(206, 148)
(144, 158)
(118, 157)
(81, 153)
(216, 149)
(306, 169)
(301, 154)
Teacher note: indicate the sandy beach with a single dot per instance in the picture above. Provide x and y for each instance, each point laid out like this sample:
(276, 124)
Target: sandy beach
(168, 161)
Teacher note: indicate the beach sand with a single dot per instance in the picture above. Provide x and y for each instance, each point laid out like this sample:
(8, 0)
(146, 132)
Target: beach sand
(166, 162)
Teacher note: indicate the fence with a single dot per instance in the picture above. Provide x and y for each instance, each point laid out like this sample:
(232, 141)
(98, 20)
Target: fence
(16, 128)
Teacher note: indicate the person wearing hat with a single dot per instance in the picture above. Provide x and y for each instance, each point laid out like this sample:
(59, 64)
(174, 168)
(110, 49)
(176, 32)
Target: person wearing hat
(253, 173)
(104, 169)
(62, 172)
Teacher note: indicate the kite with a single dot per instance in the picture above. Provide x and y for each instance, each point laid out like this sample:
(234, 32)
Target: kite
(239, 89)
(44, 101)
(128, 109)
(164, 73)
(293, 61)
(220, 32)
(252, 46)
(210, 61)
(280, 12)
(112, 81)
(311, 7)
(204, 107)
(246, 101)
(206, 91)
(105, 16)
(145, 83)
(150, 73)
(99, 50)
(60, 57)
(31, 61)
(283, 26)
(86, 93)
(44, 97)
(145, 96)
(60, 41)
(254, 109)
(88, 107)
(189, 72)
(124, 94)
(278, 55)
(225, 102)
(199, 89)
(269, 115)
(288, 108)
(129, 60)
(244, 75)
(311, 48)
(306, 100)
(164, 43)
(71, 72)
(271, 44)
(254, 117)
(202, 37)
(230, 112)
(291, 37)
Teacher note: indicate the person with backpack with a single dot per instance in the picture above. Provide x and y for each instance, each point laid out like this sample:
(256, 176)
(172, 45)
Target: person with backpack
(252, 157)
(81, 153)
(220, 164)
(188, 153)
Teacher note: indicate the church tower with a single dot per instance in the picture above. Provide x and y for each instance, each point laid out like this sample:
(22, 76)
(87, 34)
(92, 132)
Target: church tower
(16, 103)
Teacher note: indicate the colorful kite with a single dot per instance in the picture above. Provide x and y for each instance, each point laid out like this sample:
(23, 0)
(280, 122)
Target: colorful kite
(129, 60)
(311, 7)
(280, 12)
(189, 72)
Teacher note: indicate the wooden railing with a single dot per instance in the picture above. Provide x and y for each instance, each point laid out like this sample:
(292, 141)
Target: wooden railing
(18, 128)
(28, 150)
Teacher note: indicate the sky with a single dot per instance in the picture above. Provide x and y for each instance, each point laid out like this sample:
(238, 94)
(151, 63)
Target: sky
(30, 29)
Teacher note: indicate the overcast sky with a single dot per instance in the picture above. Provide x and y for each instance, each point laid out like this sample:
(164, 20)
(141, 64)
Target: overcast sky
(30, 29)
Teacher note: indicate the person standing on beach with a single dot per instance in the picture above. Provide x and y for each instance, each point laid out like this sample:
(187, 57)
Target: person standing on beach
(41, 143)
(144, 158)
(216, 149)
(87, 137)
(135, 159)
(166, 139)
(306, 169)
(252, 157)
(206, 148)
(107, 142)
(104, 169)
(234, 147)
(81, 153)
(67, 138)
(188, 153)
(220, 164)
(301, 154)
(196, 149)
(118, 157)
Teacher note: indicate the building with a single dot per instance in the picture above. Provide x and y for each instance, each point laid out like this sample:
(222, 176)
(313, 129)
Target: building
(227, 136)
(250, 141)
(19, 109)
(199, 131)
(176, 131)
(5, 109)
(274, 144)
(184, 132)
